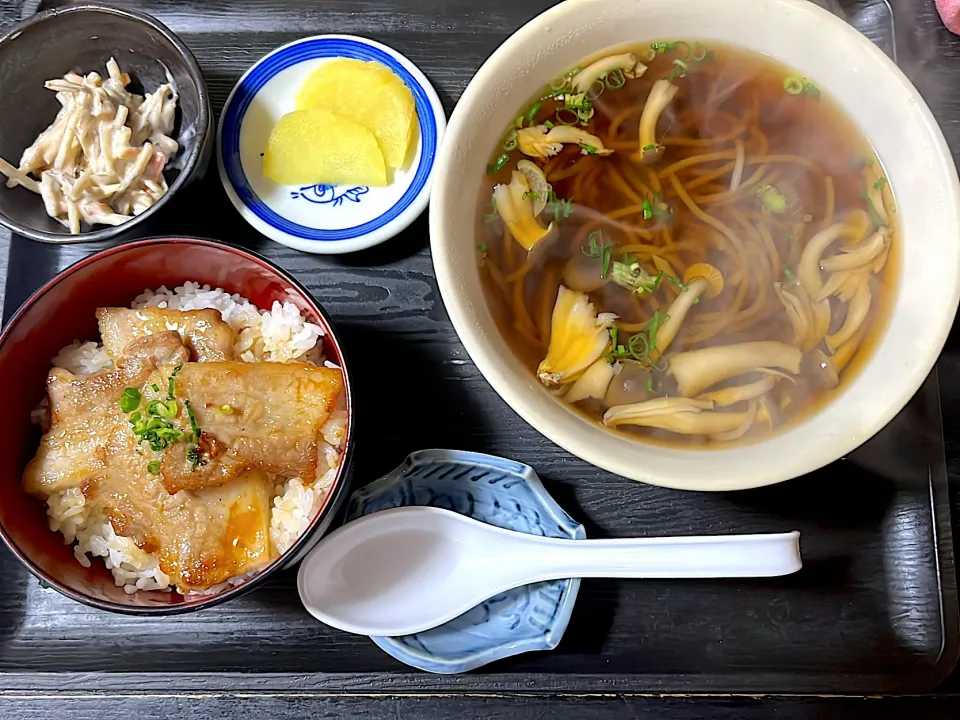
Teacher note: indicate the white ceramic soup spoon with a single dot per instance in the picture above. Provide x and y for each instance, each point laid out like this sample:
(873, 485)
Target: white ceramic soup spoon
(407, 570)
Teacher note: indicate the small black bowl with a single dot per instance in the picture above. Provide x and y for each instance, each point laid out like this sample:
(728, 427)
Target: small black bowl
(81, 38)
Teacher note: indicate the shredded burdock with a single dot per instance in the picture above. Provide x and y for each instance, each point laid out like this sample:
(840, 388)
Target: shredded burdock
(101, 161)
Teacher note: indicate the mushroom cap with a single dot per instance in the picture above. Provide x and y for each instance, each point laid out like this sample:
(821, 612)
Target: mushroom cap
(537, 181)
(819, 366)
(707, 272)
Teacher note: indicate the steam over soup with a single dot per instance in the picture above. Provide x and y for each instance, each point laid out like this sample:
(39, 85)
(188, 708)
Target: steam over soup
(687, 242)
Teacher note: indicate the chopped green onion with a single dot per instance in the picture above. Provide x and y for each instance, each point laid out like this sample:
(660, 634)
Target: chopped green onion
(881, 181)
(680, 64)
(647, 210)
(650, 383)
(155, 423)
(532, 113)
(193, 418)
(492, 214)
(531, 194)
(652, 287)
(698, 52)
(577, 102)
(676, 281)
(511, 142)
(788, 274)
(498, 164)
(607, 254)
(130, 400)
(598, 246)
(646, 148)
(793, 85)
(871, 210)
(596, 90)
(518, 123)
(228, 409)
(170, 383)
(153, 467)
(584, 114)
(159, 408)
(557, 92)
(548, 125)
(193, 456)
(660, 213)
(566, 116)
(588, 149)
(593, 247)
(156, 388)
(615, 79)
(773, 200)
(639, 346)
(811, 90)
(560, 209)
(685, 45)
(654, 326)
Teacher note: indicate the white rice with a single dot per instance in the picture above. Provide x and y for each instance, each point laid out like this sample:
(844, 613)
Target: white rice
(83, 358)
(276, 335)
(280, 334)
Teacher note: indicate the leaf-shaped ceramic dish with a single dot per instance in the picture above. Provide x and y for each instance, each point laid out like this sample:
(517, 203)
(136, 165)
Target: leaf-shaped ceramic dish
(501, 492)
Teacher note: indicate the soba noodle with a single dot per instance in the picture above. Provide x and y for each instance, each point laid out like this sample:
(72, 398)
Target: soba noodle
(686, 242)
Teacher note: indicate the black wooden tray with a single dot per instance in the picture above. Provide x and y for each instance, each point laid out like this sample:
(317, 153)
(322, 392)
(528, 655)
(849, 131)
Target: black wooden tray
(874, 609)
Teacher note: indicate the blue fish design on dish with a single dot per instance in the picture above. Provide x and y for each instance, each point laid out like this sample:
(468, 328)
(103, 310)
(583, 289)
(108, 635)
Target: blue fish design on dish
(329, 194)
(501, 492)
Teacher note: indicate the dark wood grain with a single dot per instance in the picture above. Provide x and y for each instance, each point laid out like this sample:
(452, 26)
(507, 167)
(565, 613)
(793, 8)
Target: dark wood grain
(293, 707)
(863, 614)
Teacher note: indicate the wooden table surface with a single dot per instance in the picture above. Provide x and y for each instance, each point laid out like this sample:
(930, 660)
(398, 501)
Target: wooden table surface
(932, 64)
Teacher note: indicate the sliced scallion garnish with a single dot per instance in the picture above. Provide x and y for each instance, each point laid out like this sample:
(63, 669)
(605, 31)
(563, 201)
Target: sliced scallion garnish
(793, 85)
(498, 164)
(130, 400)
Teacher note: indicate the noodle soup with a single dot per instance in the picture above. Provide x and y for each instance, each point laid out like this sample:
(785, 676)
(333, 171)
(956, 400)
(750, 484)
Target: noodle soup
(687, 242)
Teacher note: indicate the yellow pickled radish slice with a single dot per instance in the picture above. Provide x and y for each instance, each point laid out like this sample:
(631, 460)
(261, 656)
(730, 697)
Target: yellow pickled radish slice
(317, 146)
(369, 93)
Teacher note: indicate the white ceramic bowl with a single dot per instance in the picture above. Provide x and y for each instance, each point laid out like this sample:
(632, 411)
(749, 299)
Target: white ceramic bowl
(871, 89)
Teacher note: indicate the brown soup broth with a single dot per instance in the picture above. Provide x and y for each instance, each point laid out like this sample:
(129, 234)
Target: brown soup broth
(799, 143)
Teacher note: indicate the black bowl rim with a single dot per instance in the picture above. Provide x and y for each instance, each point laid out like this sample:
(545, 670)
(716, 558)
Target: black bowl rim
(204, 122)
(310, 535)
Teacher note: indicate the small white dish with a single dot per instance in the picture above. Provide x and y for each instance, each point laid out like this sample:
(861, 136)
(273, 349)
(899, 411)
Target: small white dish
(320, 218)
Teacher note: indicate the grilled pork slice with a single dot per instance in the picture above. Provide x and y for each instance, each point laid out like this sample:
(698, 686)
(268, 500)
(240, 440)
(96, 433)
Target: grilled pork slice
(204, 333)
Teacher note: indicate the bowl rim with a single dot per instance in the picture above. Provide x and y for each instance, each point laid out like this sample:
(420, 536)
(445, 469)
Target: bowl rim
(335, 496)
(462, 309)
(193, 159)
